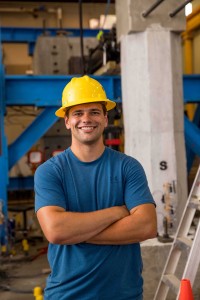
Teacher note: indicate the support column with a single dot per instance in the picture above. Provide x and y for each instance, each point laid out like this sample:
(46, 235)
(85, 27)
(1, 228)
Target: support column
(152, 100)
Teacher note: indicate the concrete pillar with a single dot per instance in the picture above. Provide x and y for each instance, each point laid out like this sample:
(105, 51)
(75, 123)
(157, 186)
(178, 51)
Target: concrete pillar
(152, 99)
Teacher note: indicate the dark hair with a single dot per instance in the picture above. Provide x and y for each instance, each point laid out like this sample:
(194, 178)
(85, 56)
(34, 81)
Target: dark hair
(103, 104)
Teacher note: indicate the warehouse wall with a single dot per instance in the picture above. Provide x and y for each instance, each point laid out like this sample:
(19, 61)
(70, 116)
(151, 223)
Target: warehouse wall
(70, 14)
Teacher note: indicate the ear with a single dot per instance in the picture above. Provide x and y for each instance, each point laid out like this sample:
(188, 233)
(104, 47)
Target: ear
(67, 123)
(106, 120)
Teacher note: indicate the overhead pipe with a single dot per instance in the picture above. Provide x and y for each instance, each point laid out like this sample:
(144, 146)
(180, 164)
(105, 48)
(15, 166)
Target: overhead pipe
(151, 8)
(193, 20)
(188, 58)
(81, 37)
(57, 11)
(26, 10)
(179, 8)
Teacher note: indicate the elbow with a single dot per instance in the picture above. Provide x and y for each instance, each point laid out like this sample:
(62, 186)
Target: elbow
(52, 235)
(54, 240)
(55, 236)
(151, 228)
(150, 232)
(153, 233)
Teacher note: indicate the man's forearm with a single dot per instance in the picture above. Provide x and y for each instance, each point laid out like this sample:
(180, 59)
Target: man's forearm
(137, 227)
(61, 227)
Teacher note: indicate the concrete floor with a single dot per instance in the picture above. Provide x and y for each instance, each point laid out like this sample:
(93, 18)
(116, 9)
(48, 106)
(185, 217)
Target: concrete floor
(29, 273)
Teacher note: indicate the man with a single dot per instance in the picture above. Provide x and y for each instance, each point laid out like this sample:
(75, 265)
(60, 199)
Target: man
(94, 206)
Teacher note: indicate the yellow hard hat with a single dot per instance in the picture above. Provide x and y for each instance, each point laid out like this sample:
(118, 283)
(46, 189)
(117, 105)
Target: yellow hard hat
(82, 90)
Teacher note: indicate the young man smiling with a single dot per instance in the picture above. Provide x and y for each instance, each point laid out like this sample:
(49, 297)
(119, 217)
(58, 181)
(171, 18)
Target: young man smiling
(94, 206)
(87, 123)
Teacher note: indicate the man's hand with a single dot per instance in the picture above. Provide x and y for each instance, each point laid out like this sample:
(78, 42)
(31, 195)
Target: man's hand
(139, 225)
(123, 211)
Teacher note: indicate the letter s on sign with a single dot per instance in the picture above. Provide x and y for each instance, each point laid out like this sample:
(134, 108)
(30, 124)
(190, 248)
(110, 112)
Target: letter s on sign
(163, 165)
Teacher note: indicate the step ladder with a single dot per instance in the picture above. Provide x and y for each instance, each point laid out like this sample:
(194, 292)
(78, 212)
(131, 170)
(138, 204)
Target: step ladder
(181, 243)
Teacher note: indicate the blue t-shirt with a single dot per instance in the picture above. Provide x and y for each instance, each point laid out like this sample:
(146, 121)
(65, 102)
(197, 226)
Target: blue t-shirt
(87, 271)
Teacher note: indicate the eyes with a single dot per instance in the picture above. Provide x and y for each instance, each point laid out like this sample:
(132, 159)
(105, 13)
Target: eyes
(91, 113)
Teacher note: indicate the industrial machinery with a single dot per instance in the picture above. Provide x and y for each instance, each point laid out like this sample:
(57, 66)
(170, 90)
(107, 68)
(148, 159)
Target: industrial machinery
(107, 50)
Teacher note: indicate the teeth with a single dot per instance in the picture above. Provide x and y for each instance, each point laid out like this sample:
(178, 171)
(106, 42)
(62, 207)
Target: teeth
(88, 127)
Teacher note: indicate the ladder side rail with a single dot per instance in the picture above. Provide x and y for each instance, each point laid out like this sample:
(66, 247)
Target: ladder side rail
(171, 262)
(174, 253)
(186, 222)
(170, 267)
(161, 292)
(193, 261)
(188, 213)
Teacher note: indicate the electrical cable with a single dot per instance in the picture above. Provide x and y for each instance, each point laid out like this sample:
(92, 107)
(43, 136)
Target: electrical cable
(81, 37)
(106, 13)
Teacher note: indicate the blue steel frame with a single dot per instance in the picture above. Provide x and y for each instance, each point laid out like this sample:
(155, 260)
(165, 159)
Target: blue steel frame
(30, 35)
(45, 91)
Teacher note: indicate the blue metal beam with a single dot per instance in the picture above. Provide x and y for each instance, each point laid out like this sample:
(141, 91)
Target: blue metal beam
(31, 135)
(191, 88)
(45, 91)
(30, 35)
(21, 183)
(192, 139)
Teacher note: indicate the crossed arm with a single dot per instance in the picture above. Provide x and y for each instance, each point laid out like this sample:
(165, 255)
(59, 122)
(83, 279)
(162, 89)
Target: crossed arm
(110, 226)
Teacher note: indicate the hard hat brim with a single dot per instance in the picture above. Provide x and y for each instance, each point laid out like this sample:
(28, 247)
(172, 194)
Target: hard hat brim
(109, 105)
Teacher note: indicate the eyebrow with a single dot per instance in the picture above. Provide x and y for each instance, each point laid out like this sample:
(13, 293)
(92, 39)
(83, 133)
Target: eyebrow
(90, 109)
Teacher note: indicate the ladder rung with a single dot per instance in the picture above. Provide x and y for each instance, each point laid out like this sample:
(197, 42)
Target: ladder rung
(183, 243)
(172, 282)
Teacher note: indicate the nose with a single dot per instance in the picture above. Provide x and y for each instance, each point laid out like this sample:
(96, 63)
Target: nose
(86, 118)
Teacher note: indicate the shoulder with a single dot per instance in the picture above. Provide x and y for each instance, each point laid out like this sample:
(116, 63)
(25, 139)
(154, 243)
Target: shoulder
(131, 167)
(123, 158)
(54, 165)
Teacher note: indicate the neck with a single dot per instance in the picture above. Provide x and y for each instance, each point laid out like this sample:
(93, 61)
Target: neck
(88, 153)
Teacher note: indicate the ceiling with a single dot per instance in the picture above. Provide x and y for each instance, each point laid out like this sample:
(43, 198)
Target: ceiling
(60, 1)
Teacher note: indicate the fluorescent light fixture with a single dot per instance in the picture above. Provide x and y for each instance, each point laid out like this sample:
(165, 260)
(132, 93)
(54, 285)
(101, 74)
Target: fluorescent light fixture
(188, 9)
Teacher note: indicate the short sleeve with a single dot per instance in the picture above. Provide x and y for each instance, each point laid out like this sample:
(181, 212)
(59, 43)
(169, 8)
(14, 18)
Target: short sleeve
(136, 186)
(48, 187)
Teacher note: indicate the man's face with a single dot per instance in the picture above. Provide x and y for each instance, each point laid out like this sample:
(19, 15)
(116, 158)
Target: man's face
(87, 123)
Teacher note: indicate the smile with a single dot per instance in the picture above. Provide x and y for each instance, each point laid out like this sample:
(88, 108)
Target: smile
(87, 127)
